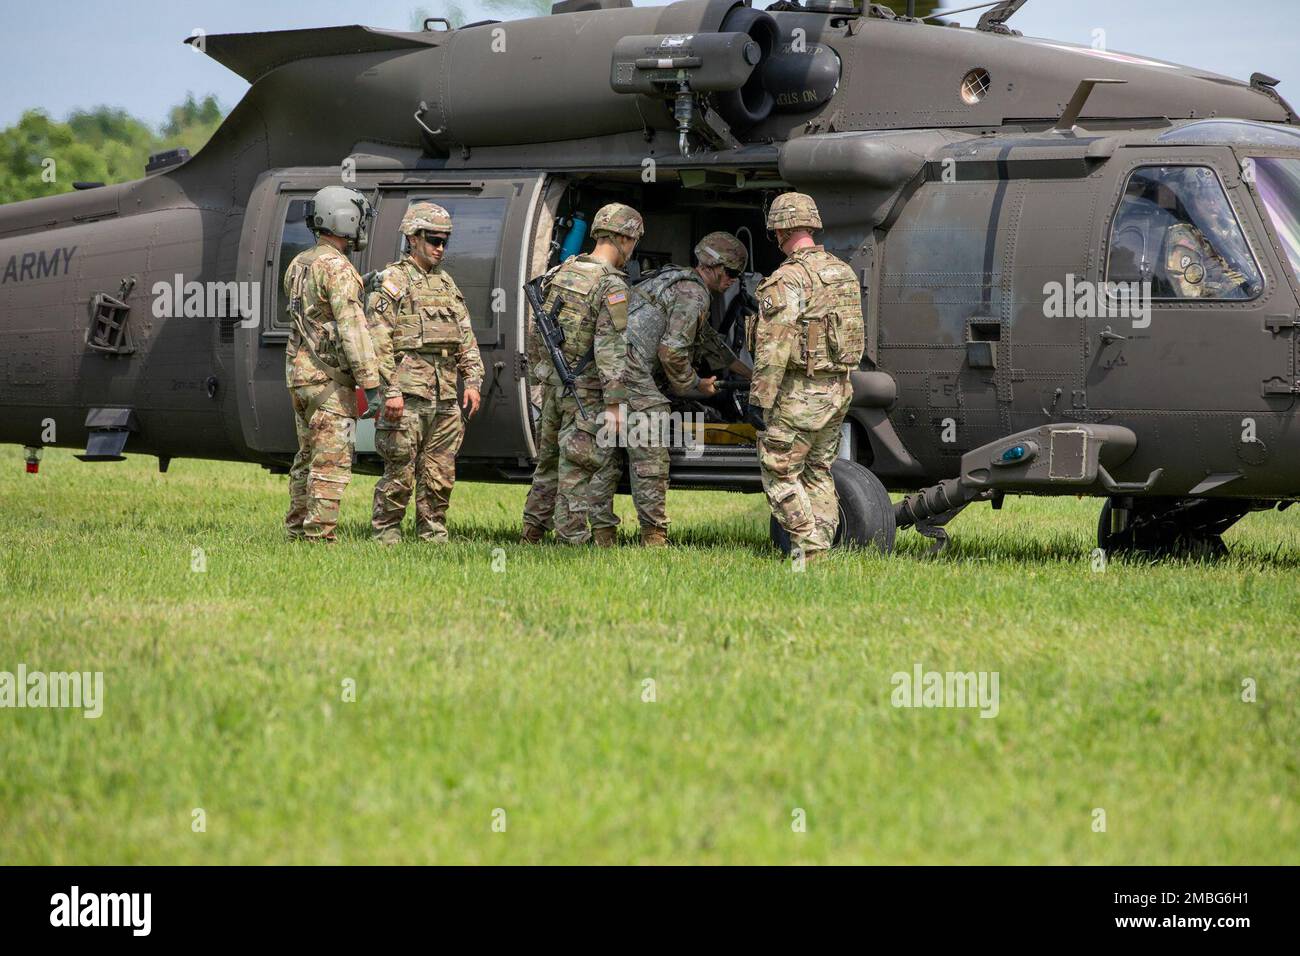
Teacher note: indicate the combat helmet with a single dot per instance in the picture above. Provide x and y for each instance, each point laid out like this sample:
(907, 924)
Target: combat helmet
(721, 249)
(341, 212)
(618, 220)
(425, 217)
(793, 211)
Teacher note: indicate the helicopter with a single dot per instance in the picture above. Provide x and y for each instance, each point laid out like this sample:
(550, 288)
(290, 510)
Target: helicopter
(1079, 269)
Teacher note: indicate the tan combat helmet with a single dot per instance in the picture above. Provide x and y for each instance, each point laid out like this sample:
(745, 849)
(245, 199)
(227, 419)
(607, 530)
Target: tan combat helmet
(426, 217)
(618, 220)
(793, 211)
(721, 249)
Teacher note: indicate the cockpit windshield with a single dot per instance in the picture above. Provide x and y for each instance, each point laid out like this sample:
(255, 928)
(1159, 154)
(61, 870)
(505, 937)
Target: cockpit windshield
(1278, 184)
(1176, 230)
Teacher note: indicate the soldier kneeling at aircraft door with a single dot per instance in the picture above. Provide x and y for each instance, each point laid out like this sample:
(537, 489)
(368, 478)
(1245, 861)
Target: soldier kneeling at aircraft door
(807, 338)
(667, 326)
(328, 355)
(423, 338)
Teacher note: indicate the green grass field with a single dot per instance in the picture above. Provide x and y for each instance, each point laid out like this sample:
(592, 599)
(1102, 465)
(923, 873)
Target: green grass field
(515, 683)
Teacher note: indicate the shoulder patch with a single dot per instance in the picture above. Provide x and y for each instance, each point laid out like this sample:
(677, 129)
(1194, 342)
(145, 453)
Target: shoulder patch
(614, 298)
(390, 284)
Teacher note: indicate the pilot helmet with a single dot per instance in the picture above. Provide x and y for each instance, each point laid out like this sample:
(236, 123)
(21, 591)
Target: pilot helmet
(342, 212)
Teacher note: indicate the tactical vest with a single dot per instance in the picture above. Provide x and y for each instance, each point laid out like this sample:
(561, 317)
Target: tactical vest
(425, 316)
(652, 302)
(831, 329)
(574, 286)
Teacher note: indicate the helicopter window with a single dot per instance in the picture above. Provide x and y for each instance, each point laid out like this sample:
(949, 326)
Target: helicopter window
(1278, 184)
(1176, 230)
(294, 238)
(1233, 133)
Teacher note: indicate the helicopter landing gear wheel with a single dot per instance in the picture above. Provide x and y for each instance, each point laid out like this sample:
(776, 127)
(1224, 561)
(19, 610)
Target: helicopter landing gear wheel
(866, 511)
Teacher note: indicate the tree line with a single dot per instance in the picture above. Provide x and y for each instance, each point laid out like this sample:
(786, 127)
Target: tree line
(40, 156)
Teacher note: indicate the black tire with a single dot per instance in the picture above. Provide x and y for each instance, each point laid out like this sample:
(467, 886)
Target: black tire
(866, 511)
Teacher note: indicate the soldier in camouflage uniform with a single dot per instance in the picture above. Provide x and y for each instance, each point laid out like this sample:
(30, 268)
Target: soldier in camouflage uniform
(1193, 262)
(422, 336)
(667, 330)
(328, 355)
(593, 315)
(806, 339)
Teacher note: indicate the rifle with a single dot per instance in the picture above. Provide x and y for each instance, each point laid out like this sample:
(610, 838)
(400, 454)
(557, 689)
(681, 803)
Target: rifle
(548, 327)
(733, 385)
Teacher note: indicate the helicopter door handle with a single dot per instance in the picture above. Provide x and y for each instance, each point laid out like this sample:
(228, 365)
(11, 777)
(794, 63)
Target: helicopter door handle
(1109, 335)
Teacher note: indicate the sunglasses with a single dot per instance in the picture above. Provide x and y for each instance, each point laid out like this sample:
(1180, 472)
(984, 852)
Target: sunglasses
(438, 242)
(732, 273)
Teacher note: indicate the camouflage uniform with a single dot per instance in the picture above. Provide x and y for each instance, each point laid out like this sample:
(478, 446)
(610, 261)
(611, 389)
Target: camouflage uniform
(593, 316)
(1196, 270)
(807, 337)
(667, 331)
(541, 505)
(329, 354)
(423, 337)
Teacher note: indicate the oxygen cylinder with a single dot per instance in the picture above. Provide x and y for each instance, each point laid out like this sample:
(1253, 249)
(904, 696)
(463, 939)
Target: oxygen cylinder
(576, 236)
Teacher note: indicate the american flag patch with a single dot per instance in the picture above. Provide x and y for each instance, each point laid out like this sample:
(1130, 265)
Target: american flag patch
(614, 298)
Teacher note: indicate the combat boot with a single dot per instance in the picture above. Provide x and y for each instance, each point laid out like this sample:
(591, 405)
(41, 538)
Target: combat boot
(604, 537)
(533, 534)
(654, 537)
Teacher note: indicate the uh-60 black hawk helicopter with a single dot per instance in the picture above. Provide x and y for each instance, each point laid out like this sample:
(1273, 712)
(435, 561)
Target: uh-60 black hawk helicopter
(1079, 268)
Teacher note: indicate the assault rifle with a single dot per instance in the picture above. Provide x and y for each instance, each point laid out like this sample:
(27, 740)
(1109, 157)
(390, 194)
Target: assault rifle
(548, 326)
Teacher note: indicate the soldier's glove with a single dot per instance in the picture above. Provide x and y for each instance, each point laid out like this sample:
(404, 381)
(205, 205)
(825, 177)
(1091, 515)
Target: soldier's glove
(374, 402)
(754, 416)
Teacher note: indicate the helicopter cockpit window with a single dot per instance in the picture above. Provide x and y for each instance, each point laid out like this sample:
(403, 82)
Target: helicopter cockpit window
(1278, 184)
(1176, 229)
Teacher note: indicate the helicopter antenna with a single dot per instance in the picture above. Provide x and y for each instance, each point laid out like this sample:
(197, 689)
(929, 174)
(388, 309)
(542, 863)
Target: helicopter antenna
(1072, 109)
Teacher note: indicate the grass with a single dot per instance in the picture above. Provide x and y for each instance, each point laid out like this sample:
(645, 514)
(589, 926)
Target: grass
(521, 689)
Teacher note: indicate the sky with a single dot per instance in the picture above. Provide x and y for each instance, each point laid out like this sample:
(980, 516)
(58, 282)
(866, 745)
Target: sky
(61, 55)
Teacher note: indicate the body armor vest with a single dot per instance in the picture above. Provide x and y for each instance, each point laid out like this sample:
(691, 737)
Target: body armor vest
(425, 316)
(574, 285)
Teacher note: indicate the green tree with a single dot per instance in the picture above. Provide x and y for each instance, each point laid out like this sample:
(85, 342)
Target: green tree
(40, 156)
